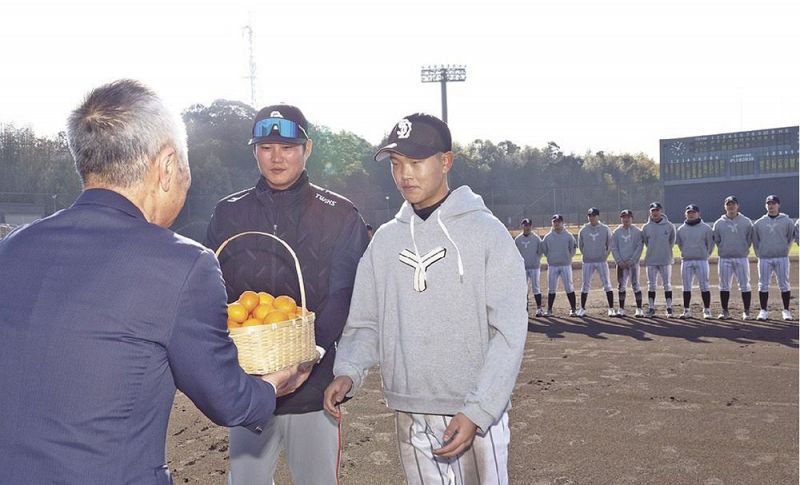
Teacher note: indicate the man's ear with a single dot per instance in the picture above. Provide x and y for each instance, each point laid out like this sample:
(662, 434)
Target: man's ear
(447, 161)
(308, 150)
(167, 163)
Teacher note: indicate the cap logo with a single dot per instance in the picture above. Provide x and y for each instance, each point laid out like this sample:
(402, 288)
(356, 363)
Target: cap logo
(404, 128)
(276, 114)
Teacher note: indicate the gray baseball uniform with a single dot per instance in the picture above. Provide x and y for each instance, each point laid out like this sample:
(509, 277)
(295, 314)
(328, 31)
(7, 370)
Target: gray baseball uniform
(626, 248)
(696, 243)
(659, 237)
(530, 247)
(733, 238)
(594, 241)
(772, 238)
(559, 248)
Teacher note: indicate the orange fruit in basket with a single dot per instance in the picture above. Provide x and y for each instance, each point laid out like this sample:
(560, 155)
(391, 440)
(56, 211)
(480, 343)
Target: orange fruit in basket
(234, 324)
(237, 312)
(265, 298)
(251, 322)
(276, 316)
(261, 311)
(285, 304)
(249, 299)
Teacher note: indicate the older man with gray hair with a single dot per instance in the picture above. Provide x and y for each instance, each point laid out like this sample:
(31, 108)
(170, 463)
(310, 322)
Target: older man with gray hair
(104, 311)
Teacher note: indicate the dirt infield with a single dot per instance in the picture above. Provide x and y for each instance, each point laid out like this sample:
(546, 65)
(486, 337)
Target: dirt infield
(600, 401)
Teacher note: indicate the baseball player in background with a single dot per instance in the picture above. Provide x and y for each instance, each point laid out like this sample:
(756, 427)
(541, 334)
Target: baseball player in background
(530, 247)
(733, 234)
(558, 246)
(695, 239)
(626, 247)
(772, 238)
(658, 234)
(594, 241)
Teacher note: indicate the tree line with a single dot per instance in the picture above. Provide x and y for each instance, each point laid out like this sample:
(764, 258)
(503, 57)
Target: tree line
(515, 181)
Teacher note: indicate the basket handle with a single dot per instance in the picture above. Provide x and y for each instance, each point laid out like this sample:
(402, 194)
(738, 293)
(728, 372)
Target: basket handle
(289, 248)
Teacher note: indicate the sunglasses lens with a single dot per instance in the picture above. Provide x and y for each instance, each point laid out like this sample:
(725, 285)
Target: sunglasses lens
(284, 128)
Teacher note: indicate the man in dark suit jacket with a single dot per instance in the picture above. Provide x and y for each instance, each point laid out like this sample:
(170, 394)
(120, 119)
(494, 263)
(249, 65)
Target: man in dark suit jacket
(104, 312)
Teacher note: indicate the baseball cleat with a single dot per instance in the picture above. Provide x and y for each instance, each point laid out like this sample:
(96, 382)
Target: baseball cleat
(787, 315)
(763, 315)
(581, 312)
(706, 313)
(639, 313)
(669, 312)
(746, 316)
(547, 313)
(539, 312)
(651, 312)
(621, 312)
(725, 315)
(685, 315)
(612, 312)
(573, 313)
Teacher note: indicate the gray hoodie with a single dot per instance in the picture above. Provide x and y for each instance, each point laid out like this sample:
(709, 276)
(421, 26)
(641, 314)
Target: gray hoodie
(530, 247)
(772, 238)
(594, 242)
(659, 237)
(439, 304)
(626, 244)
(559, 248)
(733, 236)
(695, 241)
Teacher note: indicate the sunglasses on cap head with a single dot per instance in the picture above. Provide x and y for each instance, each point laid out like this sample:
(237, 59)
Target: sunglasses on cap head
(285, 128)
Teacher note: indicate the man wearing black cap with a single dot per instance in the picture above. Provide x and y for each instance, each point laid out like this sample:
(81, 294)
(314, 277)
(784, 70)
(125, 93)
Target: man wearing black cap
(772, 238)
(626, 247)
(733, 234)
(594, 241)
(328, 236)
(658, 234)
(530, 247)
(438, 304)
(695, 239)
(559, 247)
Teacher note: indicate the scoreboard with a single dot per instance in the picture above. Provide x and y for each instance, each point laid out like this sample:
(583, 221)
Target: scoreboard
(729, 156)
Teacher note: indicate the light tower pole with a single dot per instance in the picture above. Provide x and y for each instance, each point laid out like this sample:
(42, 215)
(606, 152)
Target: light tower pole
(444, 74)
(248, 32)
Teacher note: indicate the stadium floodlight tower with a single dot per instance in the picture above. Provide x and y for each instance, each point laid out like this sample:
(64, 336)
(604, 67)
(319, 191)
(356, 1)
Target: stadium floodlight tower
(443, 74)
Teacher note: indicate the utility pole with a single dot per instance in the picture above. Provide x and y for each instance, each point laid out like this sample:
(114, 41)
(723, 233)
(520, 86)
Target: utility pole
(444, 74)
(248, 32)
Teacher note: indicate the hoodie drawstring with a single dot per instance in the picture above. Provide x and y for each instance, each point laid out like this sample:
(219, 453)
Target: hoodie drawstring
(446, 233)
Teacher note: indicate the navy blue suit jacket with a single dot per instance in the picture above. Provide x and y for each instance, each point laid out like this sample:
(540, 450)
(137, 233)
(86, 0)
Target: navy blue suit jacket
(102, 316)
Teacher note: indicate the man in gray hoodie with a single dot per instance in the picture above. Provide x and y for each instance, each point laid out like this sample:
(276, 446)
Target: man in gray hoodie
(626, 247)
(594, 241)
(695, 239)
(658, 234)
(530, 247)
(559, 247)
(772, 238)
(733, 234)
(440, 310)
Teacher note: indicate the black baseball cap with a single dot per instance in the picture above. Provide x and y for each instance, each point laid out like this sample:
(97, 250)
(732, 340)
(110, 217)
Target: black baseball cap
(417, 136)
(773, 198)
(692, 208)
(731, 198)
(557, 217)
(626, 212)
(594, 211)
(525, 222)
(655, 205)
(280, 123)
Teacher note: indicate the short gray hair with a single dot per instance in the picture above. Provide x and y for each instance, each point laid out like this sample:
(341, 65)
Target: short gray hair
(118, 129)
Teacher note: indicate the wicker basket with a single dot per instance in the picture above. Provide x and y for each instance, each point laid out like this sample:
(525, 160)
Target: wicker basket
(264, 349)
